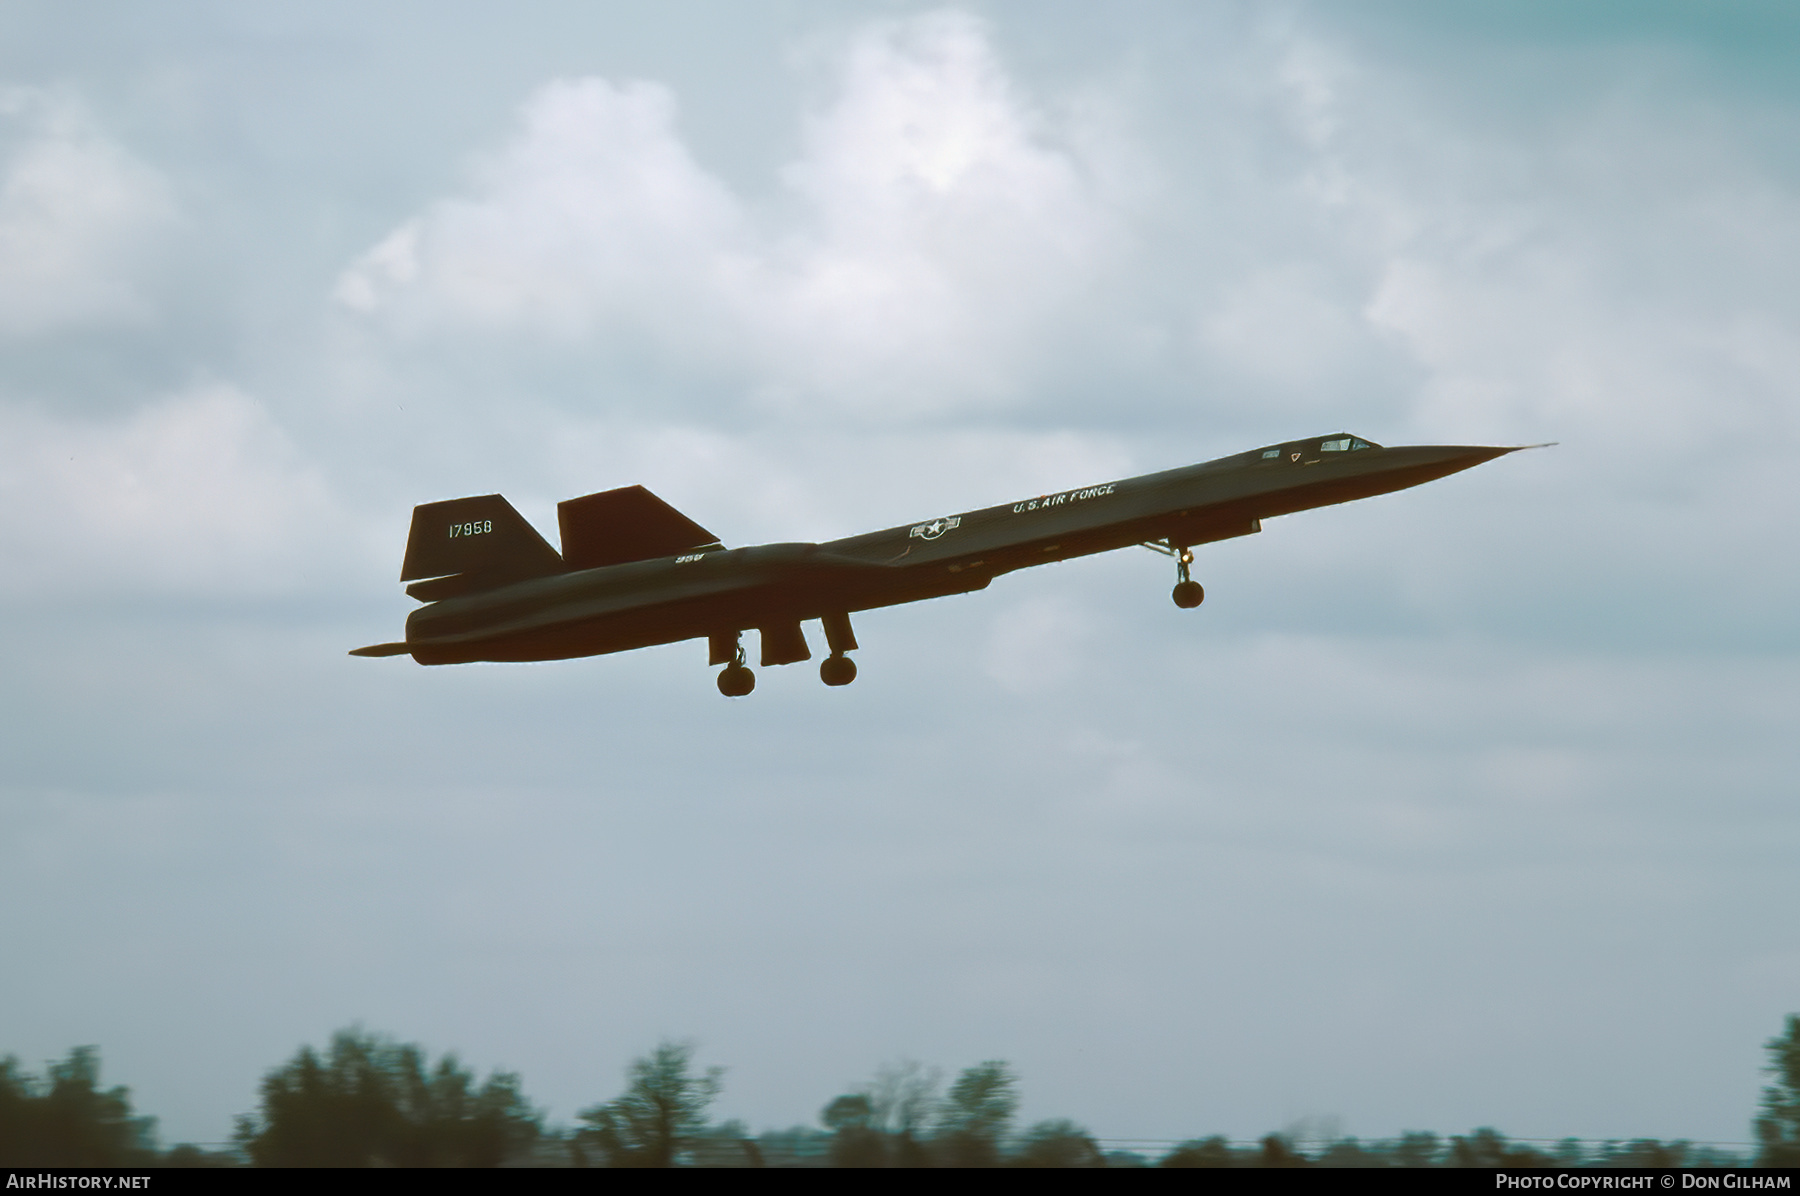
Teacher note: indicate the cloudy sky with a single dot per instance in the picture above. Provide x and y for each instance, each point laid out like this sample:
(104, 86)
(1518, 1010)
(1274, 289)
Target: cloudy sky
(1473, 805)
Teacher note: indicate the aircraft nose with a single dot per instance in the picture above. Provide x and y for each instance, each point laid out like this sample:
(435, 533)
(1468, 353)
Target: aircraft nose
(1422, 463)
(1474, 454)
(1467, 456)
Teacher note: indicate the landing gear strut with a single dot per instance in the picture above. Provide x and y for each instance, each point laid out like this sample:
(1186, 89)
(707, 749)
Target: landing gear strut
(1187, 593)
(783, 645)
(838, 669)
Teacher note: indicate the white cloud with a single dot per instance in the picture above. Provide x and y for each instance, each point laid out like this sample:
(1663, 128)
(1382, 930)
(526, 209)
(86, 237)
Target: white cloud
(595, 212)
(1616, 270)
(940, 226)
(820, 484)
(76, 213)
(201, 492)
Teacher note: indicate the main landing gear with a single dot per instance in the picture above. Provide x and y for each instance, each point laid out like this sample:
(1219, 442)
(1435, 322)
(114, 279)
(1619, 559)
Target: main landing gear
(838, 669)
(783, 643)
(736, 680)
(1187, 593)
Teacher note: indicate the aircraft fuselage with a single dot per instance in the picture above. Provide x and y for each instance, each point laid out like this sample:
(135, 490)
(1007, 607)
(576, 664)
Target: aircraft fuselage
(716, 593)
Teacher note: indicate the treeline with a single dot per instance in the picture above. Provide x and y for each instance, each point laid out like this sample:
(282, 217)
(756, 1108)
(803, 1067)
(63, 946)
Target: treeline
(369, 1101)
(65, 1120)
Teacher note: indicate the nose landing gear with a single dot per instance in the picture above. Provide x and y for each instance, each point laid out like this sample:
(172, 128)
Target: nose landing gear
(1188, 593)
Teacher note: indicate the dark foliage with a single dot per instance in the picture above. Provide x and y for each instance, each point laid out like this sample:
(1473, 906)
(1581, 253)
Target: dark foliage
(66, 1120)
(1642, 1152)
(1201, 1152)
(976, 1115)
(369, 1101)
(1348, 1152)
(887, 1122)
(1058, 1144)
(661, 1113)
(855, 1139)
(1417, 1149)
(1778, 1125)
(1484, 1148)
(188, 1156)
(372, 1102)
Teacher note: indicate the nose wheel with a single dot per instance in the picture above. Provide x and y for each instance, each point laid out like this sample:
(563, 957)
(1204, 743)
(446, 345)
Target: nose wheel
(1187, 592)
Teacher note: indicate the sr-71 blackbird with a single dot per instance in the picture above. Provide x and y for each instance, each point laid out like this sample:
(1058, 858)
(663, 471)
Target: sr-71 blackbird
(634, 571)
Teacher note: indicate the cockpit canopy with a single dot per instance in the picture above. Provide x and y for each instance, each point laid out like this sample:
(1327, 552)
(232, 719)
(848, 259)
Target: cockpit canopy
(1340, 442)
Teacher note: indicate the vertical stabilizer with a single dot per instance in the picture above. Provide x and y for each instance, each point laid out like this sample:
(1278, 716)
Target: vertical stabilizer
(627, 524)
(471, 544)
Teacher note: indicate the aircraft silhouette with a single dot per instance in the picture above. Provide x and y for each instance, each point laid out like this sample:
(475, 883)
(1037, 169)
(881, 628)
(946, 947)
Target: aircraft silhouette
(634, 571)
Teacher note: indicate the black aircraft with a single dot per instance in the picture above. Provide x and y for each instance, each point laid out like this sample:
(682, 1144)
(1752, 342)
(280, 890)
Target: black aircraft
(634, 571)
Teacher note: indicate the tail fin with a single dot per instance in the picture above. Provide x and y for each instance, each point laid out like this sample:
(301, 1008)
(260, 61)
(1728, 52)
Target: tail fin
(470, 544)
(627, 524)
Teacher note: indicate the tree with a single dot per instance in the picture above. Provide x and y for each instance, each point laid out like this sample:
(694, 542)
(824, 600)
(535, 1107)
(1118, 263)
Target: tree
(373, 1102)
(1644, 1152)
(1348, 1152)
(976, 1115)
(855, 1142)
(1487, 1147)
(1058, 1144)
(795, 1146)
(661, 1112)
(1417, 1148)
(881, 1123)
(66, 1120)
(1277, 1151)
(903, 1099)
(1207, 1152)
(1778, 1126)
